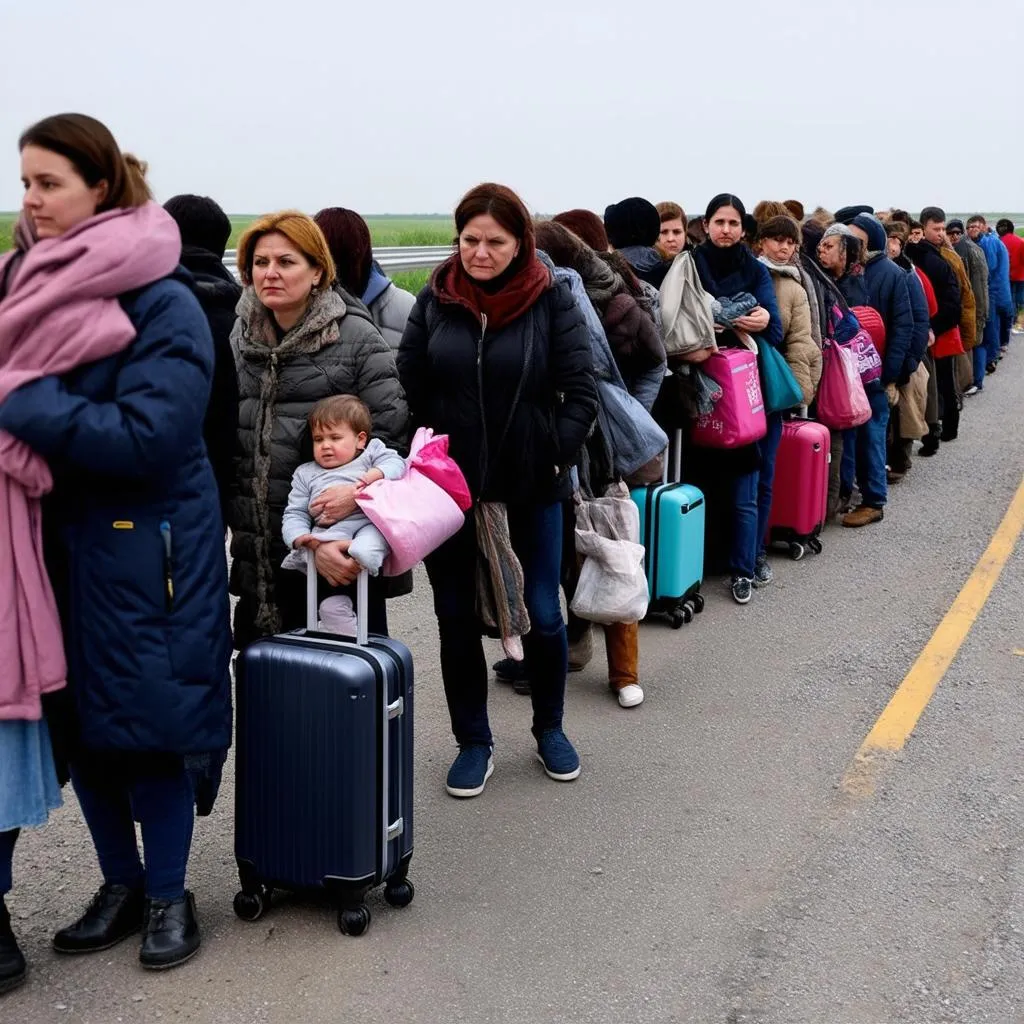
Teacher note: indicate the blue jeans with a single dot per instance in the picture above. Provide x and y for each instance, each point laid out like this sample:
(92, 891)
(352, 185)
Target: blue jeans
(162, 800)
(7, 841)
(745, 540)
(864, 454)
(983, 353)
(536, 535)
(1005, 323)
(768, 450)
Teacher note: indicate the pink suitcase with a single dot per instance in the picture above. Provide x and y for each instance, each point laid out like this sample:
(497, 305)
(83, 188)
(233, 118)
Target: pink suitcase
(800, 491)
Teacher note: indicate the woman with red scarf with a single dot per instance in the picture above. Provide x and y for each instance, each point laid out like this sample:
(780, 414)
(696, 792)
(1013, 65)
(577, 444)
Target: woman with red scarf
(496, 355)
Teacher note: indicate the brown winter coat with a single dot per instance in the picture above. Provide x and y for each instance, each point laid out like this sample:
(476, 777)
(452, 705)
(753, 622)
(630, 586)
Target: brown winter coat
(968, 310)
(798, 345)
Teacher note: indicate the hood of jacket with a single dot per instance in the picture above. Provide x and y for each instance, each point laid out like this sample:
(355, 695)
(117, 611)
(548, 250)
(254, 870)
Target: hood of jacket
(872, 227)
(378, 284)
(211, 281)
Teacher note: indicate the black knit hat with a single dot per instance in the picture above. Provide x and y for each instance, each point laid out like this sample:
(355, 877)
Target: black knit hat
(955, 225)
(634, 221)
(847, 213)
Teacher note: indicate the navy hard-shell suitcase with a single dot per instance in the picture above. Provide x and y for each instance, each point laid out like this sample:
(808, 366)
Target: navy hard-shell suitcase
(323, 776)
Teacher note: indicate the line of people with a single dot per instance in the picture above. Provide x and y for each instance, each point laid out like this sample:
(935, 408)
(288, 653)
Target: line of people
(148, 401)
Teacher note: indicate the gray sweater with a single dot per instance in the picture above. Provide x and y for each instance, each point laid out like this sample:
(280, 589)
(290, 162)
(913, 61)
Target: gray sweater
(310, 480)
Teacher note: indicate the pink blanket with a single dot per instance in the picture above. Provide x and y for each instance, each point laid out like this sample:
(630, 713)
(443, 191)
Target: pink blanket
(60, 312)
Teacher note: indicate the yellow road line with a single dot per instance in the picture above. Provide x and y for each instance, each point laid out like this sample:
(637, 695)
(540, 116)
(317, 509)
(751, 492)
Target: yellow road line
(897, 721)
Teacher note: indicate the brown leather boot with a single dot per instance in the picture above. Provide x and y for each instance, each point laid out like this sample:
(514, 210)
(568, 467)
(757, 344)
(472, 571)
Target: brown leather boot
(863, 515)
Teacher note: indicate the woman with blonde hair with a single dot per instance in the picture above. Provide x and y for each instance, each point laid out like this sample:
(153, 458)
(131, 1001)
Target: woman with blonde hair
(297, 341)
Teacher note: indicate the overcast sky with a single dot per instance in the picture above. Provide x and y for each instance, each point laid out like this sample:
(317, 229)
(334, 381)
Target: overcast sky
(400, 106)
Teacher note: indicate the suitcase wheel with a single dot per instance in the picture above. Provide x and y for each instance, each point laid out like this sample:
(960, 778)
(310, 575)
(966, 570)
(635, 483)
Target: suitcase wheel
(250, 906)
(354, 920)
(399, 894)
(815, 545)
(698, 603)
(678, 618)
(797, 551)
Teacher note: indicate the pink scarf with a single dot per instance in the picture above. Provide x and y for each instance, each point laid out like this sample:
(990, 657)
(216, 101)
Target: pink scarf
(60, 312)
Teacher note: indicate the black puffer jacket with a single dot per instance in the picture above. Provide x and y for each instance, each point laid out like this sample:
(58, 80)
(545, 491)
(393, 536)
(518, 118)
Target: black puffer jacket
(335, 349)
(218, 293)
(463, 382)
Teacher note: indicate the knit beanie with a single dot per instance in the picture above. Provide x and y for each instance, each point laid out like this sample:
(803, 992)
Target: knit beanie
(873, 228)
(847, 213)
(634, 221)
(955, 225)
(587, 225)
(837, 229)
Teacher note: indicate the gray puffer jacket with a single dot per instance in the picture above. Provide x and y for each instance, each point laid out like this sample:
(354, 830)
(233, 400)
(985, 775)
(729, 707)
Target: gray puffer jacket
(334, 349)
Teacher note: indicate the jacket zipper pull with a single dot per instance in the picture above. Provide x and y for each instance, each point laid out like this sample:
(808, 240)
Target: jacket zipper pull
(483, 334)
(165, 533)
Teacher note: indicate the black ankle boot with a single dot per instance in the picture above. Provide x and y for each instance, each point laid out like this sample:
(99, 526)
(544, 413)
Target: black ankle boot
(114, 914)
(12, 963)
(172, 933)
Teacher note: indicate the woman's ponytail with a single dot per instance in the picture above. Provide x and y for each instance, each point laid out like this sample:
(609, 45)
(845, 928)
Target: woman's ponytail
(136, 188)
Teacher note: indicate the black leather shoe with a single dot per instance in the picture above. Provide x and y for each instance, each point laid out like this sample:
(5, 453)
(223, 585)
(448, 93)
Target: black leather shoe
(12, 963)
(172, 933)
(115, 913)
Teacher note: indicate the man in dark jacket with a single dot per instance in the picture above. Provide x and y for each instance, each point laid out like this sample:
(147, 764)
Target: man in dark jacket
(205, 230)
(945, 324)
(977, 270)
(900, 447)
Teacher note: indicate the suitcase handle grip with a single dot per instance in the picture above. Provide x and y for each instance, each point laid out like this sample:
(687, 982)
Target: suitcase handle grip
(362, 600)
(673, 450)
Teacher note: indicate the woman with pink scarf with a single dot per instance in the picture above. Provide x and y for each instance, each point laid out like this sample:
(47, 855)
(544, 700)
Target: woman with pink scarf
(115, 604)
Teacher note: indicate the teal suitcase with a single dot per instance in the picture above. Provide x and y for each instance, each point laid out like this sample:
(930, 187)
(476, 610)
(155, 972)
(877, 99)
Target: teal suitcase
(672, 533)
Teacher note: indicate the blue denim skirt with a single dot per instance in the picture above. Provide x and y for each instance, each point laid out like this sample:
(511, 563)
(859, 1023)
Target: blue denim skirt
(28, 781)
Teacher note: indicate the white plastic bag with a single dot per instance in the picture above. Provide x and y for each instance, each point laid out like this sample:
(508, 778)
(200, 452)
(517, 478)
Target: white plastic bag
(612, 584)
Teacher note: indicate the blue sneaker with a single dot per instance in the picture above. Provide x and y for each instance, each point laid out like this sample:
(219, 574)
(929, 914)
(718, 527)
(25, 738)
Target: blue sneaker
(558, 755)
(470, 771)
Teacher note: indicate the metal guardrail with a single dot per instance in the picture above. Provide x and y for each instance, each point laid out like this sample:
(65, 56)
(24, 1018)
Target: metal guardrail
(392, 260)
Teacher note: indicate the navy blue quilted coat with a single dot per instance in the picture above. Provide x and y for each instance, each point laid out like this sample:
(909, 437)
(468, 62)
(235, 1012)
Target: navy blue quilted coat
(135, 539)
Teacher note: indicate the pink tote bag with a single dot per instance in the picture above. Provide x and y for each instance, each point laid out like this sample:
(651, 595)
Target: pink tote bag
(738, 416)
(842, 402)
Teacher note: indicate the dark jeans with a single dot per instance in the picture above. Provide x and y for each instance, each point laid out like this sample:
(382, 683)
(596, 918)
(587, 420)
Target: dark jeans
(536, 534)
(745, 540)
(7, 841)
(162, 801)
(768, 450)
(864, 454)
(1005, 324)
(983, 353)
(949, 403)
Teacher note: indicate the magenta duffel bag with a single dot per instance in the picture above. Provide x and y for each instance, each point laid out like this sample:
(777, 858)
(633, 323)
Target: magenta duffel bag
(738, 416)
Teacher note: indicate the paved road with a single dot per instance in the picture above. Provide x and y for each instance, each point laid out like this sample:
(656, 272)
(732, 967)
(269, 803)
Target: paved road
(706, 867)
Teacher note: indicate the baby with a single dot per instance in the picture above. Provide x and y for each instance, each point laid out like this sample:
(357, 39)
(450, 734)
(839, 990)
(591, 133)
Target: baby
(340, 427)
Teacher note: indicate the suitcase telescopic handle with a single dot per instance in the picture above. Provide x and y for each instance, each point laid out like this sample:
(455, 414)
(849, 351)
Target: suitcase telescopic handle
(675, 452)
(362, 600)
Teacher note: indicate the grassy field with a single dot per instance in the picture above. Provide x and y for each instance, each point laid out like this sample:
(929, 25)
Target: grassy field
(385, 231)
(391, 231)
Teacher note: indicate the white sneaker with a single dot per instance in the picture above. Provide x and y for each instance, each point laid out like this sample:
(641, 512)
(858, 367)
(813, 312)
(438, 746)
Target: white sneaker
(972, 390)
(630, 696)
